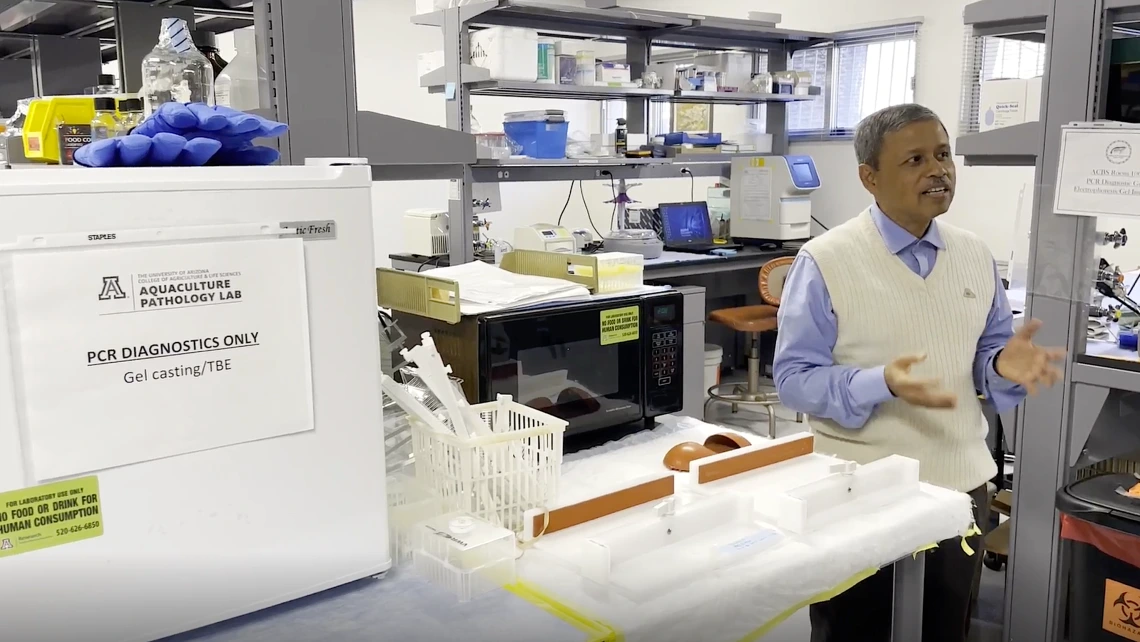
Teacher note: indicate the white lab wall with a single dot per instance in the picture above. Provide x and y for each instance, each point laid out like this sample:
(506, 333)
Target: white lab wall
(387, 82)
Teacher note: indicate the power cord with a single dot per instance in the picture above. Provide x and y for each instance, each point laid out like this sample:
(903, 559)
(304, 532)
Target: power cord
(692, 184)
(434, 259)
(613, 188)
(825, 228)
(567, 203)
(582, 192)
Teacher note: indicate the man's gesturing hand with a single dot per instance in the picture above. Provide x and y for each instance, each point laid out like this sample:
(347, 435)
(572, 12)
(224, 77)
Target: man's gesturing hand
(1027, 364)
(927, 393)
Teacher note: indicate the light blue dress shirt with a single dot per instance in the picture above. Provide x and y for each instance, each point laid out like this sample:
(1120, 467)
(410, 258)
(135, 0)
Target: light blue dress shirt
(805, 372)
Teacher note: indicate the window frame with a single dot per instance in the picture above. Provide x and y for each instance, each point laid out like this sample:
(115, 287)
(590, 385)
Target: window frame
(904, 30)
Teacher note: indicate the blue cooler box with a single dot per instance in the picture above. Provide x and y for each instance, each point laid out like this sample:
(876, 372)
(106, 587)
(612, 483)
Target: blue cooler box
(539, 138)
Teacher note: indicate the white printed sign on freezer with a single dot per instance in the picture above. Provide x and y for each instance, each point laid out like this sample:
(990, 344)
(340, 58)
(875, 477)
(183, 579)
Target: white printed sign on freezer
(130, 354)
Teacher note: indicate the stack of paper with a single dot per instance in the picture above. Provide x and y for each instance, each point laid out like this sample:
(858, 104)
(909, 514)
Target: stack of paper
(486, 288)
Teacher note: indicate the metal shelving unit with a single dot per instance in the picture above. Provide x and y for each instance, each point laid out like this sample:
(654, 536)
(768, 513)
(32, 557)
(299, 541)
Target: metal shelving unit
(512, 89)
(988, 21)
(640, 30)
(1005, 13)
(735, 98)
(96, 19)
(536, 170)
(1090, 416)
(1016, 146)
(59, 47)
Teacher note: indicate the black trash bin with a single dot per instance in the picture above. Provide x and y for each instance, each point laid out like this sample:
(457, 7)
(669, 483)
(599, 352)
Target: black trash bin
(1102, 530)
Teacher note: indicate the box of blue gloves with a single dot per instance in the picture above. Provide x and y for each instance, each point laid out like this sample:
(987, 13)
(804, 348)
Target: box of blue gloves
(187, 135)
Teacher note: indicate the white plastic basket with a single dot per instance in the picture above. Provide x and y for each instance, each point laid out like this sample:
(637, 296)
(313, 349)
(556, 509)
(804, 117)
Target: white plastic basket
(496, 477)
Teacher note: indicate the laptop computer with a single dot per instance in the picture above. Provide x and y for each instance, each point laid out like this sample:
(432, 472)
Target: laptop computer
(687, 228)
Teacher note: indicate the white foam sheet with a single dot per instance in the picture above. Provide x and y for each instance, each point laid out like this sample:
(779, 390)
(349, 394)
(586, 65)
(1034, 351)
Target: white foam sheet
(731, 602)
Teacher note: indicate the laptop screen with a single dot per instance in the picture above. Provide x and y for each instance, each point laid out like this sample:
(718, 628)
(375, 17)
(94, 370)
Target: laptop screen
(686, 223)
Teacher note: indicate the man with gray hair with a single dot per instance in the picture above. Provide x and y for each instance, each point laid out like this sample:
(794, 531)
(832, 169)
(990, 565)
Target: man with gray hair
(891, 326)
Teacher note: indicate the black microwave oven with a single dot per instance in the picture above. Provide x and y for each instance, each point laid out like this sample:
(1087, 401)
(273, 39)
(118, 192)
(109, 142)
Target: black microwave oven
(595, 364)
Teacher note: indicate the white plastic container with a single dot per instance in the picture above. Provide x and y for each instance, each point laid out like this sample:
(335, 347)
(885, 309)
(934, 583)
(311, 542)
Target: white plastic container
(465, 555)
(714, 354)
(841, 495)
(658, 554)
(236, 87)
(409, 503)
(586, 75)
(498, 477)
(509, 53)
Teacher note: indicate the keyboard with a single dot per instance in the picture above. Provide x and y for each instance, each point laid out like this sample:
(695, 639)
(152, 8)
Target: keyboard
(703, 248)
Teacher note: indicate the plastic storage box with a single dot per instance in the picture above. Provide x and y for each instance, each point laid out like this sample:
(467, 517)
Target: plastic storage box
(1102, 530)
(464, 555)
(684, 138)
(538, 135)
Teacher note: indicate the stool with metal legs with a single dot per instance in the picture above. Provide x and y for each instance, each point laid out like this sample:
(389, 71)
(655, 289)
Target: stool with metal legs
(755, 320)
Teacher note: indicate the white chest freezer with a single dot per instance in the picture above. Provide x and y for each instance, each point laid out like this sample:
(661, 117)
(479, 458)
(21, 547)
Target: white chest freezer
(190, 411)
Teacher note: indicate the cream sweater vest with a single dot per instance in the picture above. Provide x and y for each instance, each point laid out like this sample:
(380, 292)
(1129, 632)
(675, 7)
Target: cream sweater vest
(885, 311)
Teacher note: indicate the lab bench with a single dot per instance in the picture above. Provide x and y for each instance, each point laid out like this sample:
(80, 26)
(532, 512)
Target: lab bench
(671, 265)
(729, 281)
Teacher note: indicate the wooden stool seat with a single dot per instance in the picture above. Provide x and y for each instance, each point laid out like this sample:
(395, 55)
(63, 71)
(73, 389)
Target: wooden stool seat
(750, 318)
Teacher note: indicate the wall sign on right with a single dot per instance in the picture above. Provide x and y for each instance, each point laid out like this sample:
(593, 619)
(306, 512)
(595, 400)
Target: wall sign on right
(1099, 171)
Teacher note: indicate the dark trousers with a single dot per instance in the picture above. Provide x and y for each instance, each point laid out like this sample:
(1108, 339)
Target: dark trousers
(863, 613)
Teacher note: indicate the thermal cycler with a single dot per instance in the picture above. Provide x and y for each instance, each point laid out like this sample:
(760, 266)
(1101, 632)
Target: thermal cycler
(771, 197)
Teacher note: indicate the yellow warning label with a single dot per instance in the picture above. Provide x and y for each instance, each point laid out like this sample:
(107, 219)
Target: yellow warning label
(1121, 610)
(49, 515)
(620, 325)
(757, 162)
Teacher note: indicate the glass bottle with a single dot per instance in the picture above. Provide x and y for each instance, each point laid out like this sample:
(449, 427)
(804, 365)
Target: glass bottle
(237, 86)
(207, 43)
(105, 124)
(175, 71)
(130, 115)
(105, 86)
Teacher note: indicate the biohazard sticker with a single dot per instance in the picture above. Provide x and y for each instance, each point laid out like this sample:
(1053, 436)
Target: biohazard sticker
(50, 515)
(1121, 610)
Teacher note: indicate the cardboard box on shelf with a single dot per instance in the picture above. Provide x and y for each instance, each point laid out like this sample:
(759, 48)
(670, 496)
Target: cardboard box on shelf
(1003, 103)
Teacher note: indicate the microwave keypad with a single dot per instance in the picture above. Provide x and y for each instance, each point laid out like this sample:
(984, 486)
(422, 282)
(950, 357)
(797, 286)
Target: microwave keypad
(665, 357)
